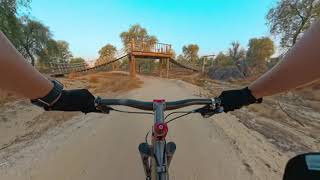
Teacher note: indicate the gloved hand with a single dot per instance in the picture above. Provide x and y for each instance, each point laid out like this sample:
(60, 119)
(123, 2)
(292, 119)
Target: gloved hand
(75, 100)
(235, 99)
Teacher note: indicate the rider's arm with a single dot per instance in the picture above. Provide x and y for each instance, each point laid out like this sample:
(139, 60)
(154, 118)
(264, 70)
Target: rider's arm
(17, 75)
(300, 65)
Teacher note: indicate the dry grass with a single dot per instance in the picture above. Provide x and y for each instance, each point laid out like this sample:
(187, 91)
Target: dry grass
(109, 82)
(94, 79)
(310, 91)
(198, 81)
(267, 111)
(311, 95)
(188, 76)
(6, 97)
(74, 75)
(179, 73)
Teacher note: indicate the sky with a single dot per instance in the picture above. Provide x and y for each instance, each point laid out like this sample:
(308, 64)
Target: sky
(87, 25)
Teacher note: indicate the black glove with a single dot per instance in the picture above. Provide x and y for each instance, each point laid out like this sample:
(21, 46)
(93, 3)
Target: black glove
(235, 99)
(75, 100)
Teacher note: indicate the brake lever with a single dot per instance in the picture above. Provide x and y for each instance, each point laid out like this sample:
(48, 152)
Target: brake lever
(213, 112)
(102, 108)
(212, 109)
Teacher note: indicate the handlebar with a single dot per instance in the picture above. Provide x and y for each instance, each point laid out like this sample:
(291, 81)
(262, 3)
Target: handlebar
(148, 106)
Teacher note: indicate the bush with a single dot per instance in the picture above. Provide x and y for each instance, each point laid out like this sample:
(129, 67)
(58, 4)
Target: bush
(225, 73)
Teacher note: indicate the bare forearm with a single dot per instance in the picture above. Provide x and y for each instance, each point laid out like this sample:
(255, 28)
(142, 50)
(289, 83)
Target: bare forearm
(301, 65)
(19, 76)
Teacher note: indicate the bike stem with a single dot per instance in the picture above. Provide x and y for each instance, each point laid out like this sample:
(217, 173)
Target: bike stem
(159, 133)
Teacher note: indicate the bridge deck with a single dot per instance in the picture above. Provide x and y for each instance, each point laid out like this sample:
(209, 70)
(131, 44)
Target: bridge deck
(152, 55)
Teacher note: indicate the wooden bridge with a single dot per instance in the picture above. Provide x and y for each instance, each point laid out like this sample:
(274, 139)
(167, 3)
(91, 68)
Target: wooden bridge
(157, 51)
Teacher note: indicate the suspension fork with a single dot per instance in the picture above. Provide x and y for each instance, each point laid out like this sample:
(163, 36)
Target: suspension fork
(160, 152)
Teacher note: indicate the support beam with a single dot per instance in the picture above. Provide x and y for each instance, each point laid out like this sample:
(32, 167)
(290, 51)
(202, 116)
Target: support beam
(167, 67)
(160, 67)
(132, 67)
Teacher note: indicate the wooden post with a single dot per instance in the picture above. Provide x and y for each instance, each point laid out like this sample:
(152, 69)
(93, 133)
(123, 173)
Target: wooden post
(113, 66)
(132, 44)
(132, 67)
(134, 73)
(203, 64)
(167, 67)
(160, 67)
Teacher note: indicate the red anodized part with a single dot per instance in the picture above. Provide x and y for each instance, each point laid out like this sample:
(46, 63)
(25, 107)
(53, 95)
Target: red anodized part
(160, 130)
(159, 100)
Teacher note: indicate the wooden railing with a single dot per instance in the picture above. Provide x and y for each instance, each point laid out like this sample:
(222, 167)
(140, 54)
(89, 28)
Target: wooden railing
(151, 47)
(65, 68)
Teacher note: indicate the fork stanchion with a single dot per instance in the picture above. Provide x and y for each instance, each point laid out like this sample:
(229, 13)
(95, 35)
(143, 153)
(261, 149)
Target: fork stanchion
(145, 153)
(170, 149)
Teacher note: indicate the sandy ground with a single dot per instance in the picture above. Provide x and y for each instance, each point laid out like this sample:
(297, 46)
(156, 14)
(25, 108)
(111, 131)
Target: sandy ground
(98, 146)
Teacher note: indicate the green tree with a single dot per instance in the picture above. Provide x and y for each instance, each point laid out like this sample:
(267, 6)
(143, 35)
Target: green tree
(124, 64)
(35, 38)
(236, 53)
(13, 6)
(259, 52)
(190, 52)
(142, 41)
(140, 37)
(77, 60)
(290, 18)
(47, 54)
(10, 25)
(107, 53)
(55, 51)
(223, 60)
(146, 65)
(64, 54)
(30, 37)
(180, 58)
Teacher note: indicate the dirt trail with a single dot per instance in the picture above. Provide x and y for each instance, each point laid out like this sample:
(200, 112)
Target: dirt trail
(97, 146)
